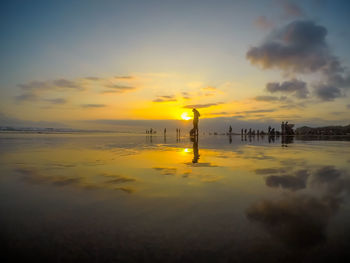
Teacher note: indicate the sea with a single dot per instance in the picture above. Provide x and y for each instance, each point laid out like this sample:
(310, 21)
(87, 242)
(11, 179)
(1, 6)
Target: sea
(124, 197)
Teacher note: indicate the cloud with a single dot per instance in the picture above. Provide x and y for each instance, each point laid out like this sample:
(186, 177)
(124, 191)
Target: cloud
(93, 105)
(167, 98)
(254, 111)
(92, 78)
(185, 95)
(270, 98)
(291, 9)
(124, 77)
(298, 47)
(65, 83)
(57, 101)
(263, 22)
(327, 92)
(200, 106)
(118, 88)
(35, 85)
(32, 90)
(27, 96)
(209, 88)
(219, 113)
(295, 87)
(301, 47)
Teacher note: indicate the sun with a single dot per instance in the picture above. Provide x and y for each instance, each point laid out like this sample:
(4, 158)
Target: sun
(185, 116)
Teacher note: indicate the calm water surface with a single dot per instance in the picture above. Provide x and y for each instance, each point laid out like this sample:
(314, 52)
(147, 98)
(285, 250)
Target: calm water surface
(133, 198)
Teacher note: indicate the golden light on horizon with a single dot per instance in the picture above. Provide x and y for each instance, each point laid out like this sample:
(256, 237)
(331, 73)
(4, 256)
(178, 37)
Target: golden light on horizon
(185, 116)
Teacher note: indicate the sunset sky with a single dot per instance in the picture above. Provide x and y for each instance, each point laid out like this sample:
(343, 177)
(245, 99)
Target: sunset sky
(106, 64)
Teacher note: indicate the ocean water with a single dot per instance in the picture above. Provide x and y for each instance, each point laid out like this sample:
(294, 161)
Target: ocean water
(89, 197)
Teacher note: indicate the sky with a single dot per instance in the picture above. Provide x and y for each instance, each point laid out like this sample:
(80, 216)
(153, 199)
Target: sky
(132, 64)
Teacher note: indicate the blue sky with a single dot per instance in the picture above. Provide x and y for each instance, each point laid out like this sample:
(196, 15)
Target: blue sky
(198, 43)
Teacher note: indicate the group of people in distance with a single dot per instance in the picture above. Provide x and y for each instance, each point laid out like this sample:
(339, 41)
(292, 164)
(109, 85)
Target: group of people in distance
(286, 129)
(251, 132)
(151, 131)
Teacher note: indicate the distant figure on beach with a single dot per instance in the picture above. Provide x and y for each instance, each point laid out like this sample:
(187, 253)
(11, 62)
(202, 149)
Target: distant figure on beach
(164, 131)
(230, 130)
(196, 115)
(283, 128)
(151, 131)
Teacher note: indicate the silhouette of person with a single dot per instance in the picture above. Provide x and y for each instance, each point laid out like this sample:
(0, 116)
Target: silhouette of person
(230, 129)
(165, 132)
(196, 116)
(151, 131)
(282, 128)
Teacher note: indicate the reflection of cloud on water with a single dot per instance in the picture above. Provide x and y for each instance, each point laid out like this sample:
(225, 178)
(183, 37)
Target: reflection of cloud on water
(210, 178)
(255, 156)
(166, 170)
(296, 220)
(205, 178)
(270, 170)
(117, 179)
(35, 176)
(335, 181)
(293, 182)
(201, 164)
(293, 162)
(301, 220)
(62, 165)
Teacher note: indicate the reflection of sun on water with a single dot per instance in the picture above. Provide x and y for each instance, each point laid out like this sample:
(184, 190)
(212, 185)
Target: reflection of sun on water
(185, 116)
(186, 150)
